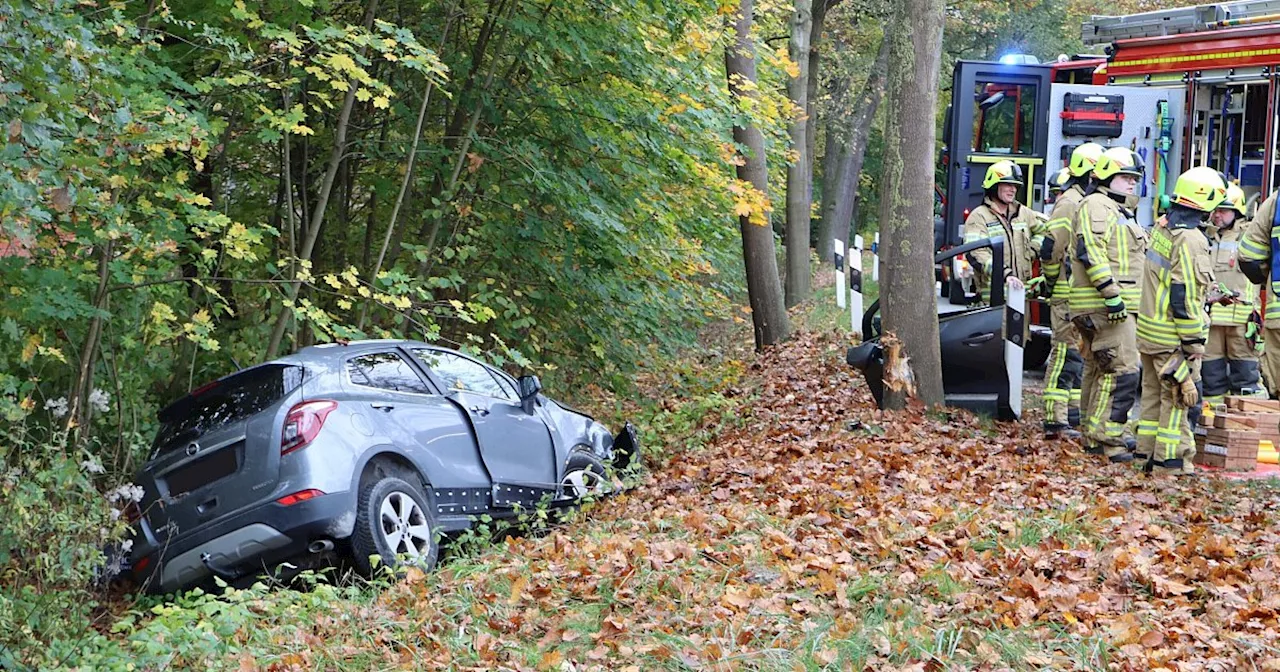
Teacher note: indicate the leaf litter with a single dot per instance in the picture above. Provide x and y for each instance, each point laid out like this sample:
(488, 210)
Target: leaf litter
(816, 532)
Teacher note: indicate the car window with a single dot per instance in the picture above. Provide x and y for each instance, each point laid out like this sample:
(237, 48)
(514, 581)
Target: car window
(223, 402)
(386, 371)
(507, 384)
(462, 374)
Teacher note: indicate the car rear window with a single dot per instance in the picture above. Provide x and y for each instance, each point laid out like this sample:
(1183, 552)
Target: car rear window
(234, 398)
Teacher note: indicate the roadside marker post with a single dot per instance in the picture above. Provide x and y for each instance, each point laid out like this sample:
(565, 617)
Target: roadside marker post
(839, 262)
(855, 285)
(875, 258)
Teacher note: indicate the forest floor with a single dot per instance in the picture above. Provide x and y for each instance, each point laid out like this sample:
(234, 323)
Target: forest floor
(786, 524)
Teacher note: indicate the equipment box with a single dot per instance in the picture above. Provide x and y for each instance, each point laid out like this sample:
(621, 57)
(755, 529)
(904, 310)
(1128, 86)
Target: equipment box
(1092, 115)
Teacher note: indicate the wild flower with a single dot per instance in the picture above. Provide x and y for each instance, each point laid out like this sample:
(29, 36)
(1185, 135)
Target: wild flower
(57, 407)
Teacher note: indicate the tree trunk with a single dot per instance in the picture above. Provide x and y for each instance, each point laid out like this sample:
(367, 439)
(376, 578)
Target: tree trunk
(906, 202)
(799, 197)
(815, 61)
(336, 154)
(849, 167)
(768, 314)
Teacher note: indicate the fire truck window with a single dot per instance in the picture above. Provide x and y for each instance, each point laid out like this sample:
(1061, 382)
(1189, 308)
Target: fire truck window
(1004, 118)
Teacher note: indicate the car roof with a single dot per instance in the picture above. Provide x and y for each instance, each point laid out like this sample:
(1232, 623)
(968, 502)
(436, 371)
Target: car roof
(328, 353)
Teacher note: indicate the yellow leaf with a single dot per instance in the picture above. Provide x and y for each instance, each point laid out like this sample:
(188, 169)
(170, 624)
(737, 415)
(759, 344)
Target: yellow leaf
(29, 350)
(363, 94)
(332, 281)
(344, 304)
(381, 102)
(117, 181)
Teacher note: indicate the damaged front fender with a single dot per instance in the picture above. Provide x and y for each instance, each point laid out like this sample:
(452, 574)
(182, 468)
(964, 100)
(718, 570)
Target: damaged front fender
(626, 448)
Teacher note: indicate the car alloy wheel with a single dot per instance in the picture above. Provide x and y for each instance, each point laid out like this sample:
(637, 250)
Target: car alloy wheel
(404, 527)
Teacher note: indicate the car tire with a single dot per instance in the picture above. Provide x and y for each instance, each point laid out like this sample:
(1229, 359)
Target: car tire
(394, 521)
(584, 476)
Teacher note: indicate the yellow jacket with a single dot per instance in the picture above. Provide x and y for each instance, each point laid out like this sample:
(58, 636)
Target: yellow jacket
(1224, 251)
(1178, 273)
(1107, 260)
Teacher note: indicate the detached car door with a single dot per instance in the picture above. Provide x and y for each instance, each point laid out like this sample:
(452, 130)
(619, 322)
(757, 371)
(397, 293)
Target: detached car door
(974, 375)
(516, 445)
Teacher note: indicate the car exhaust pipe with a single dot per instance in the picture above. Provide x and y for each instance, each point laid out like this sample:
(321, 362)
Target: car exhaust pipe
(320, 546)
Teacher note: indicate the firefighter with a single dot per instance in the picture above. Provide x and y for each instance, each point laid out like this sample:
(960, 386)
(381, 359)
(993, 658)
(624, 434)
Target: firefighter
(1106, 266)
(1062, 378)
(1171, 321)
(1259, 254)
(1001, 215)
(1060, 182)
(1230, 360)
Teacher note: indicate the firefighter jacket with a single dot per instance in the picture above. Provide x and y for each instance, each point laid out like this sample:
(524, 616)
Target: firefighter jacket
(1259, 253)
(1110, 247)
(1055, 258)
(1019, 230)
(1223, 250)
(1178, 273)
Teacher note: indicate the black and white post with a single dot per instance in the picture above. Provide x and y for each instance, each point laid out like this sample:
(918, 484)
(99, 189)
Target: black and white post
(839, 262)
(875, 258)
(855, 285)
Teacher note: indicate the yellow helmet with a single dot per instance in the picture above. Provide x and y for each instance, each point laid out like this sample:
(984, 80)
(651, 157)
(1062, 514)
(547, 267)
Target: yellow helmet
(1235, 199)
(1084, 158)
(1118, 161)
(1002, 172)
(1059, 182)
(1201, 188)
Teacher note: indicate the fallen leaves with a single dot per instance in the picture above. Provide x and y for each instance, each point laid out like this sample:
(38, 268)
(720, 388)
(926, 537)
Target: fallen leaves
(798, 538)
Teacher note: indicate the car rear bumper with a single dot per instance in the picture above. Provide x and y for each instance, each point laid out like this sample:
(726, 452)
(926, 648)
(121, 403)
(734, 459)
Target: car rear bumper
(244, 543)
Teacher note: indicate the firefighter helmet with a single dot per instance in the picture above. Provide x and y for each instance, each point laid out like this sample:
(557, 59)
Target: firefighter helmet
(1235, 199)
(1084, 158)
(1118, 161)
(1002, 172)
(1201, 188)
(1059, 182)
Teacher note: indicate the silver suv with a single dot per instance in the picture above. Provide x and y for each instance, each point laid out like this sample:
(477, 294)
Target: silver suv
(372, 448)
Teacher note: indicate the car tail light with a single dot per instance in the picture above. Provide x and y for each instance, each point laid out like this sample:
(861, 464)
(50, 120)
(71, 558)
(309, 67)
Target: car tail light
(300, 496)
(303, 424)
(142, 564)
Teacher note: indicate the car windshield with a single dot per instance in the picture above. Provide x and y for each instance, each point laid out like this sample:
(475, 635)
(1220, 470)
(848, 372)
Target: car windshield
(215, 405)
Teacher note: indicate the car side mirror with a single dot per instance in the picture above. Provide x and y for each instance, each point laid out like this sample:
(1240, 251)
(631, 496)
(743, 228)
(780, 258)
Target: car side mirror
(530, 386)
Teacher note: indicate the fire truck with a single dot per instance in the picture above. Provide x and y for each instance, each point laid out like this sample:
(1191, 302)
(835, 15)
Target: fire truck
(1181, 87)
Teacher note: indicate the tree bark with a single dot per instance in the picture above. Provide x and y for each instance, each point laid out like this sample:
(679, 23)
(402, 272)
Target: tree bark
(853, 150)
(799, 198)
(768, 314)
(906, 203)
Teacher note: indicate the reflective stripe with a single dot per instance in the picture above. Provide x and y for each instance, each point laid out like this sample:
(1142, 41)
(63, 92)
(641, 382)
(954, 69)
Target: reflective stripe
(1252, 251)
(1156, 258)
(1147, 427)
(1228, 244)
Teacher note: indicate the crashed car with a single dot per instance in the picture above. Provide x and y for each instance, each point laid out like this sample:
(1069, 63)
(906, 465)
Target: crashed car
(370, 448)
(974, 371)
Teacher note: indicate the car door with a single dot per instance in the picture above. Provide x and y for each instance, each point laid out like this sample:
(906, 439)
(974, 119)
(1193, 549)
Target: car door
(974, 374)
(404, 410)
(516, 445)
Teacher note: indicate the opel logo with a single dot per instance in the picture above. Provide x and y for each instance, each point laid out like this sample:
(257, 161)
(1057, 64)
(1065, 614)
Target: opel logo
(193, 448)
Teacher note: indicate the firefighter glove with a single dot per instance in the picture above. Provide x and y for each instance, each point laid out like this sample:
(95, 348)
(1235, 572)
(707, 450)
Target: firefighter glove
(1186, 395)
(1115, 309)
(1037, 286)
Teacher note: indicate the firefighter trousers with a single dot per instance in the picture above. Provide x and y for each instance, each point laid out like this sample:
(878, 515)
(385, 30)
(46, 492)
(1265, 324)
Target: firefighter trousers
(1164, 429)
(1110, 352)
(1064, 373)
(1230, 364)
(1271, 360)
